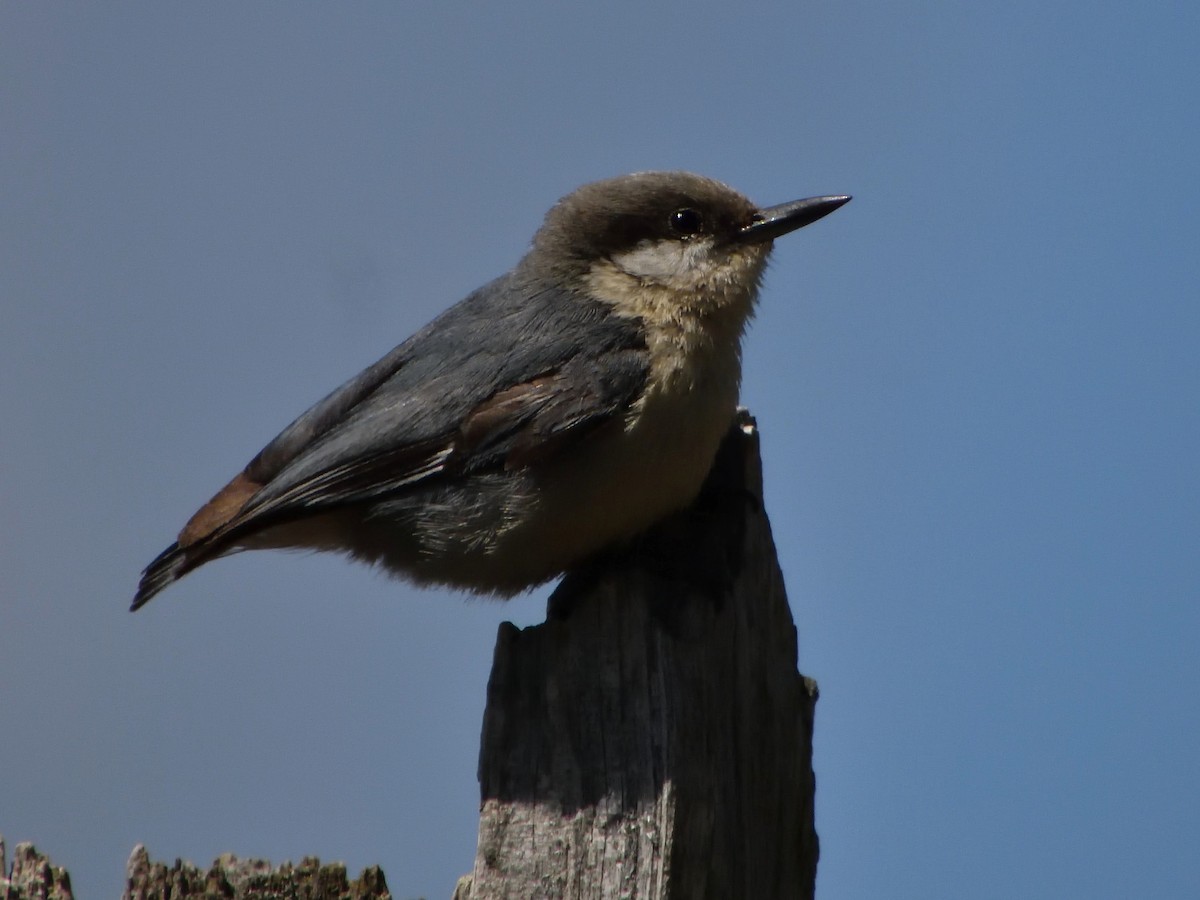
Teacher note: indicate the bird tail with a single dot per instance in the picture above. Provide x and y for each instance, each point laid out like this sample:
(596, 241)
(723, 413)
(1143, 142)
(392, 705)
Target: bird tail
(169, 566)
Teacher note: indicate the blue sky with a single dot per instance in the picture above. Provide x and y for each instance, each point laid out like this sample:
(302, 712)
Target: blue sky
(978, 387)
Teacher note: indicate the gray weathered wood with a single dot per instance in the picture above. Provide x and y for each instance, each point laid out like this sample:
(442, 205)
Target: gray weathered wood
(230, 878)
(652, 739)
(32, 877)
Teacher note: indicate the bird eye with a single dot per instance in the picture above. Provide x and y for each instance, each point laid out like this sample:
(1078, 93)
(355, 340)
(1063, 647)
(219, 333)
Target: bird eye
(686, 222)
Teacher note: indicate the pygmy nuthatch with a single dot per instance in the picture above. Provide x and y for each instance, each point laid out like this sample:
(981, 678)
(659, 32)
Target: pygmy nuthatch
(564, 407)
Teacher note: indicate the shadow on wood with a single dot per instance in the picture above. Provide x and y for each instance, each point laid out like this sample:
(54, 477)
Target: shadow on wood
(653, 738)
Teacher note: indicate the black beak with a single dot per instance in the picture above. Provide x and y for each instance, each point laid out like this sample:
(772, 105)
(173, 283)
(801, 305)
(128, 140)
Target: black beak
(775, 221)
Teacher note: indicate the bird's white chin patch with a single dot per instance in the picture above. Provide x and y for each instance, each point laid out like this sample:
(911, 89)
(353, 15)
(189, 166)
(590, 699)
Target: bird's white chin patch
(673, 264)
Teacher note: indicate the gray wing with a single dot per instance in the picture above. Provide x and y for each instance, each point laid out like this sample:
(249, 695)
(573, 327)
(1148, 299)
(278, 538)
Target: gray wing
(373, 453)
(506, 370)
(510, 376)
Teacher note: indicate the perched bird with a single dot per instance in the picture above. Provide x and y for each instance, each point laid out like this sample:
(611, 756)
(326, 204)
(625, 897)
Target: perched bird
(564, 407)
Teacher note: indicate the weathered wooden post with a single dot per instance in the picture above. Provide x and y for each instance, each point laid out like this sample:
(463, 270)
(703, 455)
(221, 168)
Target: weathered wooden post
(653, 738)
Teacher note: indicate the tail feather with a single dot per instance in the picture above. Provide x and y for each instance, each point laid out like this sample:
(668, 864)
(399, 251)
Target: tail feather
(169, 566)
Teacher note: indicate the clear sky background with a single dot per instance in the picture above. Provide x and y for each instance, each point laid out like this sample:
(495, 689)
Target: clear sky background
(978, 387)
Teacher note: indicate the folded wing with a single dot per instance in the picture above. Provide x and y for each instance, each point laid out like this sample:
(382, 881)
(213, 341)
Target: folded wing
(459, 397)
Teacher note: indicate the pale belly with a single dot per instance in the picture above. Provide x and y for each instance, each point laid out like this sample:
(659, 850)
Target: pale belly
(625, 481)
